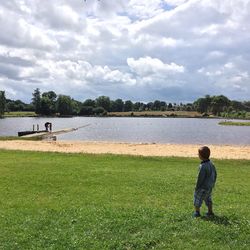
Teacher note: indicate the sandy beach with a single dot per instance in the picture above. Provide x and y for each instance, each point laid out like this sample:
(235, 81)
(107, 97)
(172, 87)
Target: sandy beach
(143, 149)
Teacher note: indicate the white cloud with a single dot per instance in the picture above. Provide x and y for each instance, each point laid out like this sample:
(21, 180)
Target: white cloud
(148, 66)
(144, 9)
(229, 65)
(60, 17)
(151, 42)
(175, 2)
(17, 32)
(215, 54)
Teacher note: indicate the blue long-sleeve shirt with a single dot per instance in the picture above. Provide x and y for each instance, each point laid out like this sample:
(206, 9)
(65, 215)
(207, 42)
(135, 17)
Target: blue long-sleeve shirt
(207, 175)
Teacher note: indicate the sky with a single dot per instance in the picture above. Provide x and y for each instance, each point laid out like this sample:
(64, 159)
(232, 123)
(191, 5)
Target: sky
(139, 50)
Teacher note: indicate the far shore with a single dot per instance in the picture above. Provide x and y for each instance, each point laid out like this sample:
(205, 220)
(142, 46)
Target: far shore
(133, 114)
(149, 114)
(139, 149)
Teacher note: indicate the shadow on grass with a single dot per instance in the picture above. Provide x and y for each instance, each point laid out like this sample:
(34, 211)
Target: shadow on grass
(219, 220)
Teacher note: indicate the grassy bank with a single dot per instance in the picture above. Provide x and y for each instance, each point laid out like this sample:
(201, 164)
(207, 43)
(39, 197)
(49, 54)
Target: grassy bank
(191, 114)
(188, 114)
(20, 114)
(230, 123)
(14, 138)
(76, 201)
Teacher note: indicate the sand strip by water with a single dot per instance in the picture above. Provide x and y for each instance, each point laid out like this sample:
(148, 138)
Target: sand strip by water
(143, 149)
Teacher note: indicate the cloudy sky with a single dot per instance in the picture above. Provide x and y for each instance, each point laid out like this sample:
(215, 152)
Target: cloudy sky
(139, 50)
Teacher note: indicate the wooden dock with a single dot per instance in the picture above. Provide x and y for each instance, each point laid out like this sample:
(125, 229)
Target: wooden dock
(47, 134)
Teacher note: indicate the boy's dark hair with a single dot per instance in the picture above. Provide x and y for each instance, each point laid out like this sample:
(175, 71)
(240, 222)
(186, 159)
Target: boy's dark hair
(204, 152)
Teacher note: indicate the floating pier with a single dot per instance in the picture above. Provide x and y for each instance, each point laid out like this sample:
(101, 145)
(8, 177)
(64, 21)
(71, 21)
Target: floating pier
(45, 134)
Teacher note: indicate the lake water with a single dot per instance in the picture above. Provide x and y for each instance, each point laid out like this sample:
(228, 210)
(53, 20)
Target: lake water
(145, 130)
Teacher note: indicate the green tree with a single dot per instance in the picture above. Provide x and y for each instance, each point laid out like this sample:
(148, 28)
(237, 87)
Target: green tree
(219, 104)
(163, 106)
(29, 107)
(117, 105)
(76, 107)
(14, 105)
(48, 103)
(2, 103)
(64, 105)
(89, 103)
(86, 110)
(247, 105)
(18, 105)
(51, 95)
(136, 106)
(45, 106)
(235, 105)
(139, 106)
(188, 107)
(36, 100)
(149, 105)
(99, 111)
(104, 102)
(203, 105)
(170, 106)
(128, 106)
(157, 105)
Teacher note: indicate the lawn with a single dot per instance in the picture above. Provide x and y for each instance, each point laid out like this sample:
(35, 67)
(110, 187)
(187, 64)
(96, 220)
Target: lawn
(78, 201)
(20, 114)
(190, 114)
(20, 138)
(230, 123)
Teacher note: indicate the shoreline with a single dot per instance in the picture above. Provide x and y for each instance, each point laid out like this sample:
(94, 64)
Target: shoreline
(123, 148)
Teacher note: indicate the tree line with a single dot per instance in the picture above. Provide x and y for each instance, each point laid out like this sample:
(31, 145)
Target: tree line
(222, 106)
(49, 104)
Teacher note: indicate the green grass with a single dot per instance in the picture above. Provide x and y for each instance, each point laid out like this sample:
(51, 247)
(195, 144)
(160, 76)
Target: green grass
(14, 138)
(190, 114)
(20, 114)
(78, 201)
(230, 123)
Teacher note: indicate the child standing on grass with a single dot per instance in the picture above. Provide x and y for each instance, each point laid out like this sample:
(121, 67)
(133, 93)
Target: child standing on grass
(205, 182)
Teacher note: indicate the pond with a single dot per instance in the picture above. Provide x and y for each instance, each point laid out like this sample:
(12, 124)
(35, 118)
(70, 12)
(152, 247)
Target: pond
(140, 130)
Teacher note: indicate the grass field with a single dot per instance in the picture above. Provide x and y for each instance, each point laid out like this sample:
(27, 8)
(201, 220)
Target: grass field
(20, 114)
(230, 123)
(14, 138)
(77, 201)
(190, 114)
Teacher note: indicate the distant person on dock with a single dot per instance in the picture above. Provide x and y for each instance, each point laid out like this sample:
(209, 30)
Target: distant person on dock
(205, 183)
(48, 126)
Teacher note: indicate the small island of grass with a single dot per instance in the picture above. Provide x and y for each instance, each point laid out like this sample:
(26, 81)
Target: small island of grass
(232, 123)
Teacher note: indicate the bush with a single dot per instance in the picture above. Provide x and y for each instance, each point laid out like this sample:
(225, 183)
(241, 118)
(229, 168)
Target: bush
(99, 111)
(205, 115)
(86, 110)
